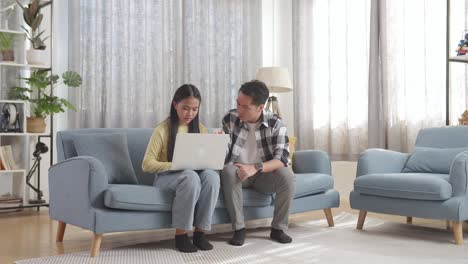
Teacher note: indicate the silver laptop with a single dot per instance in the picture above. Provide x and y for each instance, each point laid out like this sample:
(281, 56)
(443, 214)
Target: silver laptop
(195, 151)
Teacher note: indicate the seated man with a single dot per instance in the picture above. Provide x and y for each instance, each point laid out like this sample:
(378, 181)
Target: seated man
(258, 158)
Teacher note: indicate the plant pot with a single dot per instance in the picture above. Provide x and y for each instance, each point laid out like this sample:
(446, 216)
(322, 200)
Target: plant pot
(34, 56)
(35, 124)
(8, 55)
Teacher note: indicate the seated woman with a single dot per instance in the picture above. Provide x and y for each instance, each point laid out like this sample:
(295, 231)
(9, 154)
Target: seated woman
(196, 192)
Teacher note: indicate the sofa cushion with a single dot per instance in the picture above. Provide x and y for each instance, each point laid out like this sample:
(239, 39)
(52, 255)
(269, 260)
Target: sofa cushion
(148, 198)
(432, 160)
(138, 197)
(312, 183)
(111, 149)
(251, 198)
(418, 186)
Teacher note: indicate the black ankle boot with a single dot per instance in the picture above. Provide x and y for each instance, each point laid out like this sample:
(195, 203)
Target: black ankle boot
(183, 244)
(238, 238)
(199, 240)
(280, 236)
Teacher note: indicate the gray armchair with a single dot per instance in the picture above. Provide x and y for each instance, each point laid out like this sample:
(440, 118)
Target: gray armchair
(431, 182)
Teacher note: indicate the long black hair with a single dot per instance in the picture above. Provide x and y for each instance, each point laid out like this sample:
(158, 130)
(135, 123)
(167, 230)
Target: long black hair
(183, 92)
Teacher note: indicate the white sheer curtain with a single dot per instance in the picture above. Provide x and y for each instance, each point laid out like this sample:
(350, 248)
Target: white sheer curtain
(367, 73)
(331, 60)
(222, 45)
(133, 55)
(412, 39)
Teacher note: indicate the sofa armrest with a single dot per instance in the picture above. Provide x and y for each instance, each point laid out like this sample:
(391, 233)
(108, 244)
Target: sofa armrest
(76, 186)
(459, 174)
(311, 161)
(381, 161)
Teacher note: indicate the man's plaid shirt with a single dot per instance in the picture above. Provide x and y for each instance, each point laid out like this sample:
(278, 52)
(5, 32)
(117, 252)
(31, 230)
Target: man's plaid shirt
(271, 135)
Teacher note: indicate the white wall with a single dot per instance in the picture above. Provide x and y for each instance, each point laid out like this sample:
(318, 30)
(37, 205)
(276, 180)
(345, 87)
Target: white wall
(45, 161)
(60, 65)
(60, 54)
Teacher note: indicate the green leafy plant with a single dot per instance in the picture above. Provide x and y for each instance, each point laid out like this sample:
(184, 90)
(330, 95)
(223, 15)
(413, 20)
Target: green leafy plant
(33, 18)
(6, 41)
(42, 103)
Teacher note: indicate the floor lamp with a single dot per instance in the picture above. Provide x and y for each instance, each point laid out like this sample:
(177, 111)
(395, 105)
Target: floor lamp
(41, 148)
(277, 80)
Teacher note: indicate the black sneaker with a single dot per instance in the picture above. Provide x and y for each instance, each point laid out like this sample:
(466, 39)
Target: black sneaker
(238, 238)
(199, 240)
(184, 244)
(280, 236)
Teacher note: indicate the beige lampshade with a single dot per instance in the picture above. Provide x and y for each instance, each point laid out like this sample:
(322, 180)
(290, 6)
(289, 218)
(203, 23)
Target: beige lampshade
(276, 79)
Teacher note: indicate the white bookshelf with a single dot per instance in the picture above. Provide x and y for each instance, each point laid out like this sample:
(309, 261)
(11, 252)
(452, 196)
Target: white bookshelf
(23, 65)
(12, 171)
(12, 31)
(12, 134)
(14, 181)
(459, 58)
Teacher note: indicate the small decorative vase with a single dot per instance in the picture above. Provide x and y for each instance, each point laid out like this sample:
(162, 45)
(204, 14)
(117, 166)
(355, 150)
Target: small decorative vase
(8, 55)
(35, 124)
(34, 56)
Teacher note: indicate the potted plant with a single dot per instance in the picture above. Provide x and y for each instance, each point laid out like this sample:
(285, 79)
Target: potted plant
(6, 46)
(44, 104)
(33, 18)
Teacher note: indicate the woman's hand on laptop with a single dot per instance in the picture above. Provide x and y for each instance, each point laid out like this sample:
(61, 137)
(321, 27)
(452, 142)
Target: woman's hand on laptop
(245, 171)
(218, 131)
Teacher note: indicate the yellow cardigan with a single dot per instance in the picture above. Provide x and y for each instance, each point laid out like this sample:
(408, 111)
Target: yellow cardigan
(155, 159)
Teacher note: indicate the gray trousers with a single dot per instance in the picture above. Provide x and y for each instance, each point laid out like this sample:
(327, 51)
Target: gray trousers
(196, 194)
(282, 182)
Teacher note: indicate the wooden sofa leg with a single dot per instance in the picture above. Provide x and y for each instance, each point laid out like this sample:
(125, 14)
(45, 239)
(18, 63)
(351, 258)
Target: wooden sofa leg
(409, 220)
(60, 231)
(361, 219)
(96, 245)
(458, 232)
(329, 215)
(447, 225)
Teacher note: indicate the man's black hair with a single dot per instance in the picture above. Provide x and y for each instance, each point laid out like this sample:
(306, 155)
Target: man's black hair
(257, 90)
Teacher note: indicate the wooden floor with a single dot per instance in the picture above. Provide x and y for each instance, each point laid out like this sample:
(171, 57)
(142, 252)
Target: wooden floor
(31, 234)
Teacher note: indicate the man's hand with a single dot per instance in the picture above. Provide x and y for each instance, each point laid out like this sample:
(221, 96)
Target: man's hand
(245, 171)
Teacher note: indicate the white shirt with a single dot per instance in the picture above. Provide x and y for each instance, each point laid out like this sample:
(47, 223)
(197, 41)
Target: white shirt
(249, 153)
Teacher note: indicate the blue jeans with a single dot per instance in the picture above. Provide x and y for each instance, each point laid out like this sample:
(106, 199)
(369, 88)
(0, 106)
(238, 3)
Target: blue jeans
(195, 196)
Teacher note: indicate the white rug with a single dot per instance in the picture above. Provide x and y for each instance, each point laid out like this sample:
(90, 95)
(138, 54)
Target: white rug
(313, 242)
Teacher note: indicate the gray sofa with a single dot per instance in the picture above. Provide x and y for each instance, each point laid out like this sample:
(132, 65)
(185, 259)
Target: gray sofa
(431, 182)
(83, 194)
